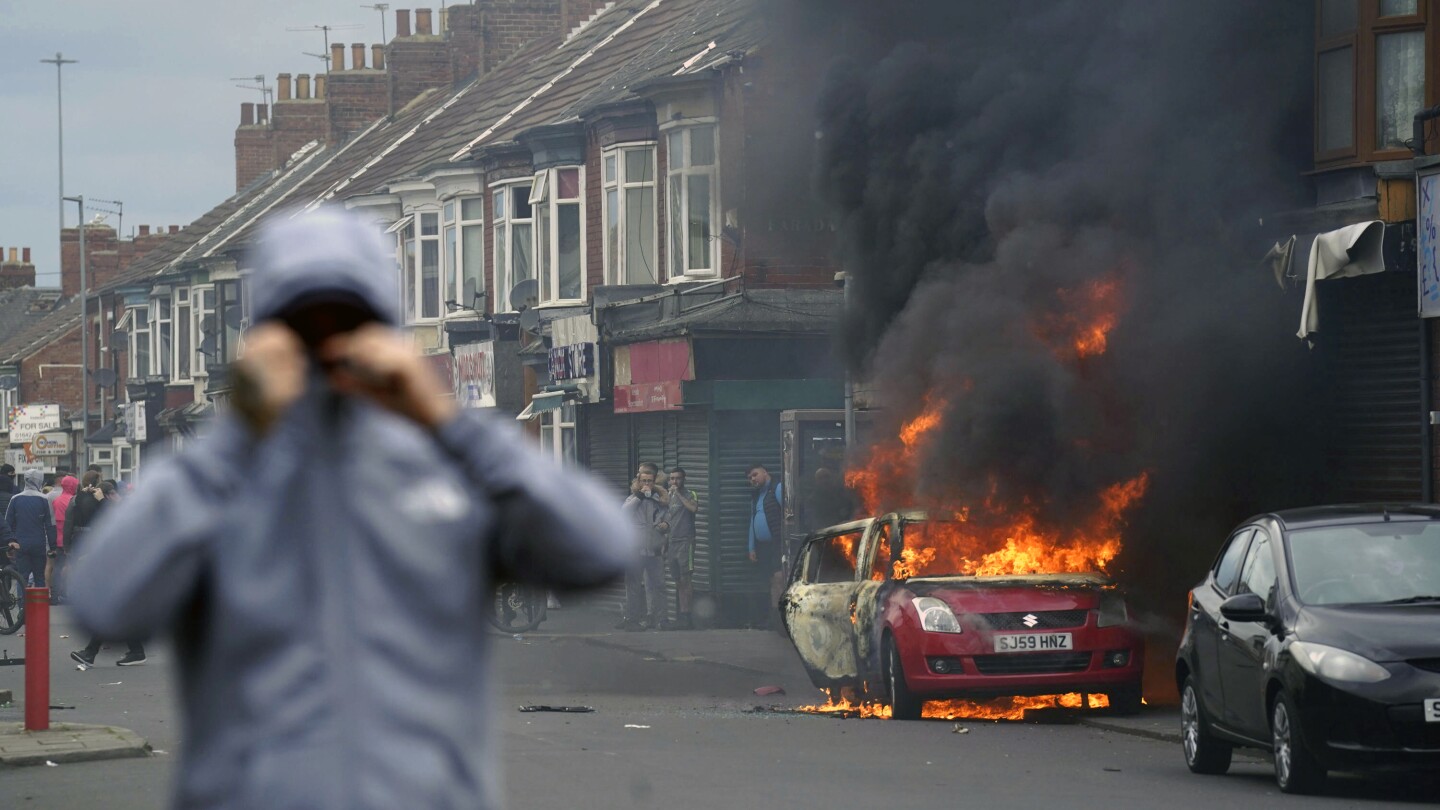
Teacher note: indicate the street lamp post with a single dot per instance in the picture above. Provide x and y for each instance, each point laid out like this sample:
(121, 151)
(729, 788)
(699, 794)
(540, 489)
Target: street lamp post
(60, 62)
(84, 335)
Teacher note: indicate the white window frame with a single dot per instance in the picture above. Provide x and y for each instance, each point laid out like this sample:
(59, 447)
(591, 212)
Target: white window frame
(161, 324)
(504, 222)
(460, 264)
(554, 426)
(9, 398)
(545, 204)
(615, 182)
(678, 266)
(411, 242)
(139, 336)
(199, 362)
(182, 317)
(126, 473)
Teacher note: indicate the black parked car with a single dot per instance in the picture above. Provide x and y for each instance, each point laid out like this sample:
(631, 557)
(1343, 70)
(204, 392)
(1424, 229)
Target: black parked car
(1316, 635)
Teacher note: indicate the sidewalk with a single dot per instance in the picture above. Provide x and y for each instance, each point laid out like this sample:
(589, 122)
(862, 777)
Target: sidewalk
(1157, 723)
(67, 742)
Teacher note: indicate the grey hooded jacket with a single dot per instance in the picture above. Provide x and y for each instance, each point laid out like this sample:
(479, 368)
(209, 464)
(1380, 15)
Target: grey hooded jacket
(329, 621)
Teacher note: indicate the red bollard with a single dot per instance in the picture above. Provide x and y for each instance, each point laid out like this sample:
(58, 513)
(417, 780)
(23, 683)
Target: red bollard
(37, 659)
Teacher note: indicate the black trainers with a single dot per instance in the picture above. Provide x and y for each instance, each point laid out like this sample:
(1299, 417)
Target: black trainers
(81, 657)
(131, 660)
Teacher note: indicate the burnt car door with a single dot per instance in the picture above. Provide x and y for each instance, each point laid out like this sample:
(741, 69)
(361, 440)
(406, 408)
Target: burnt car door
(817, 605)
(876, 583)
(1205, 621)
(1243, 645)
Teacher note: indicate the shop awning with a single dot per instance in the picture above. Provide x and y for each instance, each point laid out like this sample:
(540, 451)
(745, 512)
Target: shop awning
(1354, 250)
(547, 401)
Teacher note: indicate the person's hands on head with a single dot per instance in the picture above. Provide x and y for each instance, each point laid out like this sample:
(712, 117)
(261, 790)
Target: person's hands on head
(380, 364)
(269, 375)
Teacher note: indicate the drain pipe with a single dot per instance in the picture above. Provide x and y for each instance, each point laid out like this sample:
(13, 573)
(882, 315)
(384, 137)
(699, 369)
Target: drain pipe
(1417, 142)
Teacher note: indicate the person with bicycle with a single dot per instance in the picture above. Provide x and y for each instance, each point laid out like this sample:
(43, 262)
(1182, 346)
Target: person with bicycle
(329, 626)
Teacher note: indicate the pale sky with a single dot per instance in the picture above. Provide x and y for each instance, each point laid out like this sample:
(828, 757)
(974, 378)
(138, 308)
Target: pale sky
(150, 107)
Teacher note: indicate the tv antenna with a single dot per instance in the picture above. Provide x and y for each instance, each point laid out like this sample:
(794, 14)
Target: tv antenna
(259, 84)
(324, 57)
(325, 30)
(382, 8)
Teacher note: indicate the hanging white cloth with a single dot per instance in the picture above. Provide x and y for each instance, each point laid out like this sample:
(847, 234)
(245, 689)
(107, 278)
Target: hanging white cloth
(1354, 250)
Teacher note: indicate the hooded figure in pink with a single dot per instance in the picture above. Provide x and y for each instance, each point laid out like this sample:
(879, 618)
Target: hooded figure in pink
(69, 485)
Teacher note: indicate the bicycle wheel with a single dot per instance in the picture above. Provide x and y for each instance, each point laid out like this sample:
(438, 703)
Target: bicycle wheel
(12, 601)
(516, 608)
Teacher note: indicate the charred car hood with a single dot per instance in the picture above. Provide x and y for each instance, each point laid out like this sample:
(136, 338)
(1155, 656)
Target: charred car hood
(1013, 593)
(1378, 632)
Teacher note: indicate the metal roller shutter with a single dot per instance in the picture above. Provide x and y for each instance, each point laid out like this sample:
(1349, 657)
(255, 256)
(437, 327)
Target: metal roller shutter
(692, 452)
(607, 443)
(1371, 338)
(740, 438)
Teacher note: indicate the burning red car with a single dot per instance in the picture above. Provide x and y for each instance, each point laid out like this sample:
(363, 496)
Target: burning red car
(868, 611)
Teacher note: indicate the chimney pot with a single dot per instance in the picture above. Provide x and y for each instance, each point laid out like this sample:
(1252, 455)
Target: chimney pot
(247, 114)
(262, 113)
(402, 22)
(144, 230)
(357, 56)
(174, 229)
(25, 253)
(422, 21)
(282, 87)
(13, 253)
(337, 56)
(319, 86)
(377, 57)
(302, 86)
(443, 21)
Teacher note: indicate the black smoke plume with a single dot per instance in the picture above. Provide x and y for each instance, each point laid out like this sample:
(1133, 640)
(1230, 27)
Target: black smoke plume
(993, 166)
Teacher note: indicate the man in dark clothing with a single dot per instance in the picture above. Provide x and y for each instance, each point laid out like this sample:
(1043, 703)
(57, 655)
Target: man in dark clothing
(30, 521)
(766, 518)
(680, 546)
(7, 489)
(89, 502)
(645, 508)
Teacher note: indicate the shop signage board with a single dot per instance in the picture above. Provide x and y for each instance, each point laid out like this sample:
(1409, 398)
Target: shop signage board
(135, 421)
(1427, 191)
(474, 374)
(17, 457)
(574, 362)
(55, 443)
(646, 397)
(27, 420)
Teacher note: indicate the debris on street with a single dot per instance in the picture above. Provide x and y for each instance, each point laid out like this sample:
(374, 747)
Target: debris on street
(565, 709)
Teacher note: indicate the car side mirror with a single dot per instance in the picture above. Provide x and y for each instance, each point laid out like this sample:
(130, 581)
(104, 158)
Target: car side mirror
(1245, 607)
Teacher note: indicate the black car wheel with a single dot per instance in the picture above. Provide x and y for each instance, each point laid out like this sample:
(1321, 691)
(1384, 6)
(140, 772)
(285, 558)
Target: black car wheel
(904, 705)
(1204, 753)
(1296, 769)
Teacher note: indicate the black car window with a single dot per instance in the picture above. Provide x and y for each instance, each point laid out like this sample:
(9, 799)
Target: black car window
(1227, 567)
(832, 559)
(1259, 577)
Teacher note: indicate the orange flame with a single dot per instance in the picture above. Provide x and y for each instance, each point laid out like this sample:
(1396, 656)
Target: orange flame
(1088, 314)
(1005, 708)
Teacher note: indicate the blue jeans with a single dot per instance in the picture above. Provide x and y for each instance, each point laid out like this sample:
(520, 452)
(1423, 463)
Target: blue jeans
(31, 561)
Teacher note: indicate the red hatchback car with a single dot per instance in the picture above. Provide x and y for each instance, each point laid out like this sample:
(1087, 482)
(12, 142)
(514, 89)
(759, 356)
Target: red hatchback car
(855, 625)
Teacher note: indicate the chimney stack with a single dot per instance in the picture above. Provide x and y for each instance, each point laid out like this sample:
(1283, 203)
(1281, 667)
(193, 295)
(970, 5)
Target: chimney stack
(282, 87)
(247, 114)
(442, 20)
(302, 86)
(422, 22)
(174, 229)
(13, 256)
(357, 56)
(262, 113)
(337, 57)
(402, 23)
(320, 85)
(144, 230)
(377, 57)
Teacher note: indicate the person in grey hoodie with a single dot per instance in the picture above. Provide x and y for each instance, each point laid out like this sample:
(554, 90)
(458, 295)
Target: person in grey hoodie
(30, 528)
(330, 627)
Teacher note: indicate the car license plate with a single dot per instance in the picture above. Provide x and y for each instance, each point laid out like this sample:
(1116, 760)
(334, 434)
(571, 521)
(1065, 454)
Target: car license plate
(1432, 710)
(1033, 642)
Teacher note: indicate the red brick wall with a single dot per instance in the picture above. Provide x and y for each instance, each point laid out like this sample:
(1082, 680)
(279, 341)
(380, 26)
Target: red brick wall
(594, 214)
(52, 375)
(105, 255)
(509, 25)
(356, 99)
(416, 63)
(254, 153)
(296, 122)
(575, 12)
(466, 41)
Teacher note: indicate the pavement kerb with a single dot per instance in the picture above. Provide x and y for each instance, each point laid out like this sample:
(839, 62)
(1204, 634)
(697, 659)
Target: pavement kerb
(599, 641)
(1131, 727)
(66, 743)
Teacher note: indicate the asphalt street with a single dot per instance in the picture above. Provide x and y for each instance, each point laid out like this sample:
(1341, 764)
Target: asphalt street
(676, 725)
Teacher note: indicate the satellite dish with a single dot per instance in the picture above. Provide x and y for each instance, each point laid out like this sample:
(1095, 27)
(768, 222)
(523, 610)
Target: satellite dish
(207, 346)
(207, 325)
(119, 340)
(103, 376)
(524, 295)
(530, 320)
(9, 382)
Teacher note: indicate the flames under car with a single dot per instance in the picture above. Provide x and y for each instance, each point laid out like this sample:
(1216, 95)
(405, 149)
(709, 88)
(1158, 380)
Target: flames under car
(863, 619)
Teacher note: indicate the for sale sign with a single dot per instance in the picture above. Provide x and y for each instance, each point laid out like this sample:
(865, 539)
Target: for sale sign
(26, 421)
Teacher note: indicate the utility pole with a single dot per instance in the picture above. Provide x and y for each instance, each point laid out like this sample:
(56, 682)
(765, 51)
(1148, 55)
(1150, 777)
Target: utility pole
(84, 337)
(60, 62)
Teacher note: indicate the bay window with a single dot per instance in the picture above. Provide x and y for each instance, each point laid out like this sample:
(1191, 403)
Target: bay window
(513, 218)
(160, 336)
(1370, 77)
(204, 329)
(629, 215)
(464, 251)
(555, 196)
(420, 286)
(691, 154)
(231, 317)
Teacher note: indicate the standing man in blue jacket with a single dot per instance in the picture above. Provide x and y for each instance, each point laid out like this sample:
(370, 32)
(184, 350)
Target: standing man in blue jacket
(330, 628)
(766, 518)
(30, 529)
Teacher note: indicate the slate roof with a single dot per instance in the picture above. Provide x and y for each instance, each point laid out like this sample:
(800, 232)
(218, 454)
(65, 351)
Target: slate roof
(22, 307)
(41, 332)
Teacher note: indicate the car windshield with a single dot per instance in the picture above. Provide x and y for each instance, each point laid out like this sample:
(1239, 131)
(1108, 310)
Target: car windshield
(1395, 562)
